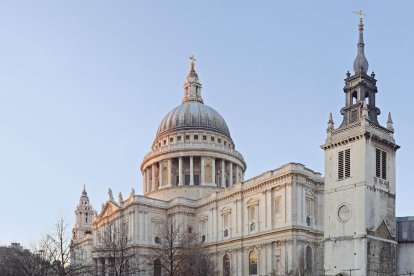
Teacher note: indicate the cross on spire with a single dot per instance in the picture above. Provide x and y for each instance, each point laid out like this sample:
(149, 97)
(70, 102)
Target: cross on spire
(360, 13)
(192, 58)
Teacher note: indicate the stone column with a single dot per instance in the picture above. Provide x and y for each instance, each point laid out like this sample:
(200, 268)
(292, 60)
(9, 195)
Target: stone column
(169, 175)
(231, 174)
(191, 171)
(154, 184)
(160, 174)
(213, 171)
(223, 174)
(148, 179)
(237, 173)
(180, 171)
(202, 171)
(144, 184)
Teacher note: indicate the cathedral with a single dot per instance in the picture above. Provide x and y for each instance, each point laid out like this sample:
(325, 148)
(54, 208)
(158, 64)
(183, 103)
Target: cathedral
(287, 221)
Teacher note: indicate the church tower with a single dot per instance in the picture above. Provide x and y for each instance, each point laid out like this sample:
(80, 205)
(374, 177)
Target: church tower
(359, 215)
(84, 214)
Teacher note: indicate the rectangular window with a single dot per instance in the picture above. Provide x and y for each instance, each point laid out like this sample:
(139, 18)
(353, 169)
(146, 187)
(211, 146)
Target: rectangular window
(204, 137)
(195, 137)
(187, 137)
(344, 164)
(212, 139)
(381, 164)
(219, 140)
(178, 138)
(171, 139)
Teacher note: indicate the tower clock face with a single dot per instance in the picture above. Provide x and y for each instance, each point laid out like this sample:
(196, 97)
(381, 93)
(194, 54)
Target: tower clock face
(344, 213)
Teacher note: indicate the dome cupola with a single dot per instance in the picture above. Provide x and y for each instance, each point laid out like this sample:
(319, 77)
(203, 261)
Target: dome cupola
(193, 153)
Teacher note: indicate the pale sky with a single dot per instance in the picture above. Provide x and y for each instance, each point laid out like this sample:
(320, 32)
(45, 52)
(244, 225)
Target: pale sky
(84, 85)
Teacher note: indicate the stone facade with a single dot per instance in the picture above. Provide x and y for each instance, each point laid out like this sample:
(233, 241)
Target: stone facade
(289, 219)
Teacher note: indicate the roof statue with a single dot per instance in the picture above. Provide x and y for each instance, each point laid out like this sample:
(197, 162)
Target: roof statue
(111, 195)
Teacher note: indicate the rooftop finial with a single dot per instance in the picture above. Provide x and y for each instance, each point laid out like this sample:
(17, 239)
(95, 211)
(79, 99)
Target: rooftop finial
(390, 124)
(84, 193)
(192, 58)
(330, 123)
(360, 62)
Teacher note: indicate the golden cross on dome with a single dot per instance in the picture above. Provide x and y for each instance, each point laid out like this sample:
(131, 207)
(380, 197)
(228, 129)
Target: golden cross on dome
(359, 13)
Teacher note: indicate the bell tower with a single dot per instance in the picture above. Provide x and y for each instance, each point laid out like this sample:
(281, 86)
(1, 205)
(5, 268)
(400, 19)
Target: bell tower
(359, 215)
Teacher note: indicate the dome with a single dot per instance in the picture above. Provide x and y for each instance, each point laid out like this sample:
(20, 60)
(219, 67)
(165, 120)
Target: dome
(193, 115)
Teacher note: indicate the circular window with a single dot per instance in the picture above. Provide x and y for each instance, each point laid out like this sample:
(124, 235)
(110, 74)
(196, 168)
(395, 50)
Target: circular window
(344, 213)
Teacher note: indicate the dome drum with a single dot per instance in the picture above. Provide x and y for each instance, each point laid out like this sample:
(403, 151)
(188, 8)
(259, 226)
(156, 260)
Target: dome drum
(191, 170)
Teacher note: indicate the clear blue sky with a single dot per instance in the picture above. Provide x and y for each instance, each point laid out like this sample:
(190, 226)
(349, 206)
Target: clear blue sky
(84, 84)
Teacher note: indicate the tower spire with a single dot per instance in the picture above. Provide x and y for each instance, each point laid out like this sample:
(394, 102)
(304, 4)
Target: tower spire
(360, 62)
(192, 86)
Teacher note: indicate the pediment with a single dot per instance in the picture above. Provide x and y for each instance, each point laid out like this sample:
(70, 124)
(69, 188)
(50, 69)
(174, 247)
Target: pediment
(157, 219)
(310, 194)
(252, 201)
(225, 210)
(108, 209)
(383, 231)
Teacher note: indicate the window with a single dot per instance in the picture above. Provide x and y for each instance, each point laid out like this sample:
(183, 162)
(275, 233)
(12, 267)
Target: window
(178, 138)
(381, 164)
(225, 143)
(404, 228)
(190, 229)
(212, 139)
(226, 265)
(187, 137)
(252, 227)
(253, 263)
(196, 180)
(344, 164)
(203, 238)
(171, 139)
(308, 260)
(157, 240)
(219, 140)
(157, 267)
(204, 137)
(195, 137)
(226, 224)
(165, 142)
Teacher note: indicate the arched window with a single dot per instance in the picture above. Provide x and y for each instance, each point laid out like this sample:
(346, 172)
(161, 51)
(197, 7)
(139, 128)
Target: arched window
(226, 265)
(157, 267)
(253, 263)
(252, 227)
(309, 259)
